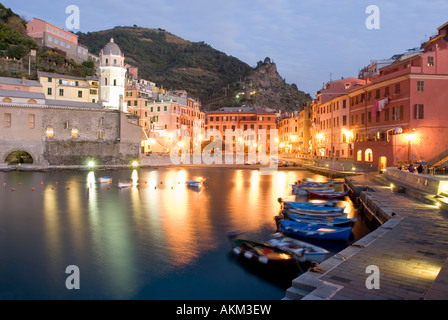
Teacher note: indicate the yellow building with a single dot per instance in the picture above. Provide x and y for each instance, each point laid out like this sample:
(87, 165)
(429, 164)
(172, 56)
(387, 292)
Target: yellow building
(68, 88)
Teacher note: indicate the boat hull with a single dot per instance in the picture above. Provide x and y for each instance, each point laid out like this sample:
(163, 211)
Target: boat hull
(315, 231)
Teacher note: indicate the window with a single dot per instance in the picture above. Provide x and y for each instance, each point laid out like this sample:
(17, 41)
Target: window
(397, 113)
(344, 120)
(211, 118)
(105, 81)
(158, 109)
(419, 111)
(50, 79)
(79, 94)
(397, 89)
(430, 62)
(420, 86)
(135, 103)
(93, 91)
(100, 134)
(74, 133)
(165, 108)
(386, 115)
(7, 120)
(61, 92)
(115, 82)
(50, 133)
(377, 94)
(369, 117)
(129, 103)
(49, 91)
(359, 157)
(31, 121)
(386, 92)
(369, 155)
(344, 104)
(152, 109)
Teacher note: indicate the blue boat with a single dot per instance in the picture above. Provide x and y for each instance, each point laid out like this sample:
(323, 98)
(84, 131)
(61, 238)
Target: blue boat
(315, 231)
(297, 204)
(316, 208)
(330, 221)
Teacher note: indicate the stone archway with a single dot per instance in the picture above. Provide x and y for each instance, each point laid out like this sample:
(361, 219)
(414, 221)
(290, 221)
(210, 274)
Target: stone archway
(19, 157)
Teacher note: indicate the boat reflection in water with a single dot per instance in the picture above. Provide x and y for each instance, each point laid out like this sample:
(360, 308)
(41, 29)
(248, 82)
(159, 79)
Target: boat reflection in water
(157, 240)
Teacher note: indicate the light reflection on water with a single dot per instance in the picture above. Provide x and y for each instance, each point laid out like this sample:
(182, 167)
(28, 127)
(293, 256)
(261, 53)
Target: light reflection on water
(156, 240)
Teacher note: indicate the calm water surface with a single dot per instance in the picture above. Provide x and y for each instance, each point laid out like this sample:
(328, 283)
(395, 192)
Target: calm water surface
(158, 241)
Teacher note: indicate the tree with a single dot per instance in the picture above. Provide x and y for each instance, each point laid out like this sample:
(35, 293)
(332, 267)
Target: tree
(17, 52)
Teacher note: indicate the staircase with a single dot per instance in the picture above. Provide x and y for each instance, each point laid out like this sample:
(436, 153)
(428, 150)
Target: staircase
(439, 160)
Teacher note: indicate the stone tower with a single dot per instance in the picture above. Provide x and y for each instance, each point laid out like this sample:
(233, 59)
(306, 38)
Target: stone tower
(112, 77)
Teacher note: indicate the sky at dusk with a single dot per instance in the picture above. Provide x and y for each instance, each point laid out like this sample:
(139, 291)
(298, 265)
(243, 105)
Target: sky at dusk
(309, 40)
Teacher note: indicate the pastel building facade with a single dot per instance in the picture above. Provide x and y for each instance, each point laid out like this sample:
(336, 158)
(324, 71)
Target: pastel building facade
(51, 36)
(67, 88)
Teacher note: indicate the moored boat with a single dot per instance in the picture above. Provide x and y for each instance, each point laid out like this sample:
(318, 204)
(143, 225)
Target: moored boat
(105, 180)
(194, 184)
(125, 184)
(326, 221)
(315, 231)
(294, 204)
(304, 190)
(328, 195)
(303, 251)
(263, 253)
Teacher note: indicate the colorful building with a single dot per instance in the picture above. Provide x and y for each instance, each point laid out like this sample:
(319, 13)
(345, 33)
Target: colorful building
(243, 119)
(67, 88)
(51, 36)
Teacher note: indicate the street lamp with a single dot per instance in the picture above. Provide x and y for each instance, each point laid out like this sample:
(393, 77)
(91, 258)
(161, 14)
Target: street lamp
(411, 137)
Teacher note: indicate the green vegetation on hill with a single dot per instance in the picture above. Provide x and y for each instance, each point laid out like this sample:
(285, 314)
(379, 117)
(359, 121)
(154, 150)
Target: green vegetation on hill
(204, 72)
(16, 44)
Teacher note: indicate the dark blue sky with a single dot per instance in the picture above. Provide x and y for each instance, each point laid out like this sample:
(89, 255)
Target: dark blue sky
(307, 39)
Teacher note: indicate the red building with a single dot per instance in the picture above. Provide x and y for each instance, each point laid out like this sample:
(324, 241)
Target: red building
(400, 115)
(244, 119)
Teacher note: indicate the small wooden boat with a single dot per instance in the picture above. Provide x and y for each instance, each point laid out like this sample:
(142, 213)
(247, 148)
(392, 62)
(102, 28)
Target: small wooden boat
(306, 207)
(105, 180)
(125, 184)
(326, 221)
(298, 204)
(323, 210)
(303, 190)
(305, 214)
(303, 251)
(328, 195)
(194, 184)
(315, 231)
(263, 253)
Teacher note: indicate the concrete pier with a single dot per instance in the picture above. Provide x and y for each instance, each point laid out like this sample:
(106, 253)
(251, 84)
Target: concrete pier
(410, 249)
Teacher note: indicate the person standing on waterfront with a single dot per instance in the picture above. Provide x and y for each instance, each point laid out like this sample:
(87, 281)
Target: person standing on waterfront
(420, 169)
(411, 168)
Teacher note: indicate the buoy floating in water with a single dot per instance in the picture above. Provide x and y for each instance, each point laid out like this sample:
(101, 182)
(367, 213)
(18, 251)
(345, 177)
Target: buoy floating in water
(32, 189)
(41, 183)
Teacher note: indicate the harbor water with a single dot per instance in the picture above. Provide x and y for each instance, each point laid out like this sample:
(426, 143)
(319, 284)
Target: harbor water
(158, 240)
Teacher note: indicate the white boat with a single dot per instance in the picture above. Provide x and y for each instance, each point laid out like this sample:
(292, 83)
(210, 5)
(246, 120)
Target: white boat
(125, 184)
(105, 180)
(304, 251)
(194, 184)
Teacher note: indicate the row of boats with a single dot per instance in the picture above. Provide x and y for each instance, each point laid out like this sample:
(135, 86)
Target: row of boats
(129, 183)
(298, 222)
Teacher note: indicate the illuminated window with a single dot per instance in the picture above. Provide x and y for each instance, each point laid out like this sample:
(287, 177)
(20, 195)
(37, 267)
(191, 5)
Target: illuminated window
(74, 133)
(100, 134)
(369, 155)
(31, 121)
(359, 158)
(50, 133)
